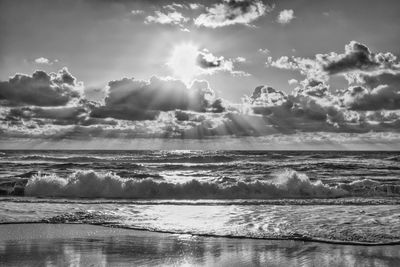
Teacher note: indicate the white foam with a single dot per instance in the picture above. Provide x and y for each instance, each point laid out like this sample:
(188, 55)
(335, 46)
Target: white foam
(90, 184)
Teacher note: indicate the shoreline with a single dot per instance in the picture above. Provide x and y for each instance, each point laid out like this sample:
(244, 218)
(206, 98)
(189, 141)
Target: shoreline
(84, 245)
(239, 237)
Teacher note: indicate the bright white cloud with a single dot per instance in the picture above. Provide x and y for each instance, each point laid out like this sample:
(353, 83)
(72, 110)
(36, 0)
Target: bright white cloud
(195, 6)
(187, 62)
(231, 12)
(175, 18)
(264, 51)
(174, 6)
(137, 12)
(240, 59)
(286, 16)
(45, 61)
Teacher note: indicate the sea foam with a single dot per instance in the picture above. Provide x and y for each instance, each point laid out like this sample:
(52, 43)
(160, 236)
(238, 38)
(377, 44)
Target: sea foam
(91, 184)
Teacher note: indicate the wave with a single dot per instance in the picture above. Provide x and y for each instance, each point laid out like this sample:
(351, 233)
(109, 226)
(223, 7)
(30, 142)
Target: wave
(61, 158)
(139, 158)
(90, 184)
(287, 184)
(353, 201)
(393, 158)
(115, 220)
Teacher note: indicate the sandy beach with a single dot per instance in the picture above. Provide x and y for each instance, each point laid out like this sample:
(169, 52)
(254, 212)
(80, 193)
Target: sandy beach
(90, 245)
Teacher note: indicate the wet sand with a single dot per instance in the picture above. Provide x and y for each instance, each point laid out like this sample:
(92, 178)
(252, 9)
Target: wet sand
(89, 245)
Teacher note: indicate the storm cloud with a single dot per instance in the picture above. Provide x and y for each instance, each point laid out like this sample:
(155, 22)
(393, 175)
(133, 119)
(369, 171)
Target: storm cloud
(40, 89)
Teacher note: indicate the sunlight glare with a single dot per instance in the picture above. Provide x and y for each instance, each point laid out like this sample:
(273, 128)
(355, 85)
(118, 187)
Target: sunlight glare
(183, 61)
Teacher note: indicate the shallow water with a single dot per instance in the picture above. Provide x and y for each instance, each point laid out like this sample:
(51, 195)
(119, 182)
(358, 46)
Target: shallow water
(351, 223)
(80, 245)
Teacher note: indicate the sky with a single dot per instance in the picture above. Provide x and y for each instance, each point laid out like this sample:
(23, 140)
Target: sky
(227, 74)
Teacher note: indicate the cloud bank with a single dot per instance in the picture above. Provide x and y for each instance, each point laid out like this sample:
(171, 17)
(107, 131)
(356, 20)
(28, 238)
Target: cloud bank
(53, 105)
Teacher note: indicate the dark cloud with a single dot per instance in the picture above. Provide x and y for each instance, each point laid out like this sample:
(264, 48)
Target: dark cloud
(131, 99)
(356, 57)
(230, 12)
(374, 78)
(64, 115)
(314, 88)
(210, 64)
(40, 89)
(375, 92)
(207, 60)
(371, 103)
(311, 108)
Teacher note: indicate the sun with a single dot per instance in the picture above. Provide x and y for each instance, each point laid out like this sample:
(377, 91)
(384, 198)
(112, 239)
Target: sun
(183, 61)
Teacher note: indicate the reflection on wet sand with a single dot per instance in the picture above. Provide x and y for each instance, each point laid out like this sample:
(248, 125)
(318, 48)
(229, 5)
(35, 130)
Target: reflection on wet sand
(86, 245)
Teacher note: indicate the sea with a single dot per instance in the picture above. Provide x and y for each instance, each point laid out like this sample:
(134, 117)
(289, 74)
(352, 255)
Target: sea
(349, 197)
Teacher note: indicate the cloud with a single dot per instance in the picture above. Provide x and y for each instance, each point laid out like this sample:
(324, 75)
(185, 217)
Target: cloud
(211, 64)
(41, 89)
(194, 6)
(44, 61)
(286, 16)
(240, 59)
(207, 60)
(39, 116)
(131, 109)
(187, 61)
(310, 68)
(283, 62)
(264, 51)
(137, 12)
(173, 18)
(311, 107)
(356, 59)
(374, 78)
(175, 6)
(130, 99)
(231, 12)
(376, 92)
(169, 108)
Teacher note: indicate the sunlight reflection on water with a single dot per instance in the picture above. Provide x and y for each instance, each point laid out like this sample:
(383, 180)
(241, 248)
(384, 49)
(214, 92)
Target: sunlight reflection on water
(83, 245)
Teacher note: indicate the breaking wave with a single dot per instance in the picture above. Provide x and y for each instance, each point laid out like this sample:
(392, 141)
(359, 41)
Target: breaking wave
(288, 184)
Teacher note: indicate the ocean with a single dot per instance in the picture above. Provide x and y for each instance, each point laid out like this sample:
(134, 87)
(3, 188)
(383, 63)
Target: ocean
(328, 196)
